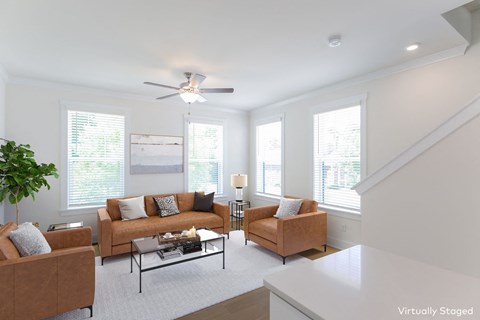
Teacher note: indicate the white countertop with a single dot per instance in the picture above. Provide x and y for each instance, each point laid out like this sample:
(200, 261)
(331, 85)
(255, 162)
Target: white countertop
(366, 283)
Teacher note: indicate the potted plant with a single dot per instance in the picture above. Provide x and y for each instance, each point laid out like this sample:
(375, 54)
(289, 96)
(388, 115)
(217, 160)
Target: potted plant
(20, 175)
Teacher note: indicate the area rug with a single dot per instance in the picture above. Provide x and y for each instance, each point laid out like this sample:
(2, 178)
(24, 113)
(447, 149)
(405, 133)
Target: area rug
(181, 289)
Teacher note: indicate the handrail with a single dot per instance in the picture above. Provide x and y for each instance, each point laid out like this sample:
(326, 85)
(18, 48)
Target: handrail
(470, 111)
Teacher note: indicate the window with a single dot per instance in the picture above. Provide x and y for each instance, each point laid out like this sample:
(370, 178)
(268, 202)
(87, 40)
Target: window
(205, 157)
(95, 158)
(337, 156)
(269, 158)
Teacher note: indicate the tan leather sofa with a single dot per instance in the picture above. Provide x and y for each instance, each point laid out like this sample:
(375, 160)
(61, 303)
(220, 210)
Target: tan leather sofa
(114, 235)
(288, 235)
(44, 285)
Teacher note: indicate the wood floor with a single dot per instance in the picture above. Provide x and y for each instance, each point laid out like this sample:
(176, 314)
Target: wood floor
(252, 305)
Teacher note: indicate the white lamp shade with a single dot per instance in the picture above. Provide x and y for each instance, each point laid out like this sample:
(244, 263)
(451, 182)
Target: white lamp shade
(238, 180)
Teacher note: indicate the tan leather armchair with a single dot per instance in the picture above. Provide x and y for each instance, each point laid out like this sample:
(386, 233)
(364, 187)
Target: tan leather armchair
(288, 235)
(44, 285)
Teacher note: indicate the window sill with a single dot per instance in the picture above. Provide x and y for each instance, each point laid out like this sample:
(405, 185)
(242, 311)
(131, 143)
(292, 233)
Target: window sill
(341, 212)
(79, 211)
(220, 198)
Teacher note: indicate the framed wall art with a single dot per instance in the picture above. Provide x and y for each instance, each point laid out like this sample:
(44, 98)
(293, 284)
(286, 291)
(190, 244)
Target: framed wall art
(155, 154)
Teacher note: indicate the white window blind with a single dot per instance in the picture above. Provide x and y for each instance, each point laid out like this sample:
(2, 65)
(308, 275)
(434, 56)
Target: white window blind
(337, 164)
(205, 157)
(95, 158)
(269, 158)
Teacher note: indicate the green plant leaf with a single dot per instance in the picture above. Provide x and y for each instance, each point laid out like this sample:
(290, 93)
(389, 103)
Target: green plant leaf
(20, 175)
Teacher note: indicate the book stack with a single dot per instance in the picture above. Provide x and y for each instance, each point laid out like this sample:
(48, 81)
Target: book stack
(169, 253)
(190, 247)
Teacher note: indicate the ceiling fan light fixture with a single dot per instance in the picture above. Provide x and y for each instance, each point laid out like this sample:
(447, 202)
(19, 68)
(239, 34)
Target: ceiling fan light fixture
(189, 97)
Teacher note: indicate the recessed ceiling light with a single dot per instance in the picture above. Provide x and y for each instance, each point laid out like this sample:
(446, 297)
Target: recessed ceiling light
(413, 46)
(334, 41)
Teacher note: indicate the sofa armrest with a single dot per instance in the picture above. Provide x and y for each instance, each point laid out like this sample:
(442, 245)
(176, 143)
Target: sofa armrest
(223, 211)
(69, 238)
(44, 285)
(301, 232)
(104, 232)
(253, 214)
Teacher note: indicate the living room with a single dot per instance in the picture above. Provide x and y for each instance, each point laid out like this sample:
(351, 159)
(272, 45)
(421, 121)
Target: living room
(425, 209)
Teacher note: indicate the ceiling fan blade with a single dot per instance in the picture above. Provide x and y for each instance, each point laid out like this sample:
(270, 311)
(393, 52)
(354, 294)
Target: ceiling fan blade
(160, 85)
(168, 96)
(196, 80)
(216, 90)
(201, 99)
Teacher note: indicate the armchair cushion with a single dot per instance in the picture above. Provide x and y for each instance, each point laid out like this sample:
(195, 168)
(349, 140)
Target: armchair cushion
(7, 248)
(29, 240)
(288, 207)
(266, 228)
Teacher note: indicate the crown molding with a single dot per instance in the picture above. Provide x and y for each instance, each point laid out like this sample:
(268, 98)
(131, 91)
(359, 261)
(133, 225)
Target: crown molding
(24, 81)
(382, 73)
(466, 114)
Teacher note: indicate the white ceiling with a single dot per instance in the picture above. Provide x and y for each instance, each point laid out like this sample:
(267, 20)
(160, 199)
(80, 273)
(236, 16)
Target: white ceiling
(268, 50)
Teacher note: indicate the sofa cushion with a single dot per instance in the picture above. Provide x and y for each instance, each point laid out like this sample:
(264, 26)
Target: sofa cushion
(29, 240)
(133, 208)
(203, 202)
(167, 206)
(151, 207)
(186, 200)
(7, 248)
(124, 231)
(265, 228)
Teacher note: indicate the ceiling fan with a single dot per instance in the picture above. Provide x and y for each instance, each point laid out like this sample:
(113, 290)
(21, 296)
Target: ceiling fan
(189, 91)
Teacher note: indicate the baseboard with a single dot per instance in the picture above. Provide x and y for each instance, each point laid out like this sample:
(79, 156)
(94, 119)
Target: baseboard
(339, 244)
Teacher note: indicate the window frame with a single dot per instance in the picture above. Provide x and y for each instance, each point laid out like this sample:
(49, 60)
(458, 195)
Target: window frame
(65, 107)
(360, 100)
(212, 121)
(260, 122)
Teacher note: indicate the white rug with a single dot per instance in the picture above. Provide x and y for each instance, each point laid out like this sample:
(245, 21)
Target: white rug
(181, 289)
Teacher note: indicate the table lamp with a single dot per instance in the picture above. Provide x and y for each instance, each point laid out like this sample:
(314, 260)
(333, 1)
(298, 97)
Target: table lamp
(238, 181)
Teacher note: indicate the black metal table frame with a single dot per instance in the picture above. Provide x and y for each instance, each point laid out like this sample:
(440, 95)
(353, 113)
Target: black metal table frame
(139, 263)
(236, 208)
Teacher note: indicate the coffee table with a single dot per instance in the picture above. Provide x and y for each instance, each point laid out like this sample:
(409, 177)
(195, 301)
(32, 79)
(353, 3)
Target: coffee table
(144, 251)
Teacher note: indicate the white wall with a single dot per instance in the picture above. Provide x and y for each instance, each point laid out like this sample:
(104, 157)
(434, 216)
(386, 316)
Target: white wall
(428, 211)
(33, 116)
(2, 126)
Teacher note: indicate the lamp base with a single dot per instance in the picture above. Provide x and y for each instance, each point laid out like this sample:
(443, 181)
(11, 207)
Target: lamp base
(239, 194)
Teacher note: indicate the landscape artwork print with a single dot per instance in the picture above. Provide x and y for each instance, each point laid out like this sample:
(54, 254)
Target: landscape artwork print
(155, 154)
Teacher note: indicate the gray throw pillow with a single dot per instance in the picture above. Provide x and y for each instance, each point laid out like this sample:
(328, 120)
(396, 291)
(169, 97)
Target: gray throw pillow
(133, 208)
(29, 240)
(288, 207)
(166, 206)
(203, 203)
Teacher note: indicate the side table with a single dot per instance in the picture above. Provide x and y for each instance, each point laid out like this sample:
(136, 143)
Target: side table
(62, 226)
(237, 211)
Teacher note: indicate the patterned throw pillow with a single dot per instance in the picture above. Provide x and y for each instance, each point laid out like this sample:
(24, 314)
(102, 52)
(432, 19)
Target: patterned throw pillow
(166, 206)
(29, 240)
(288, 207)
